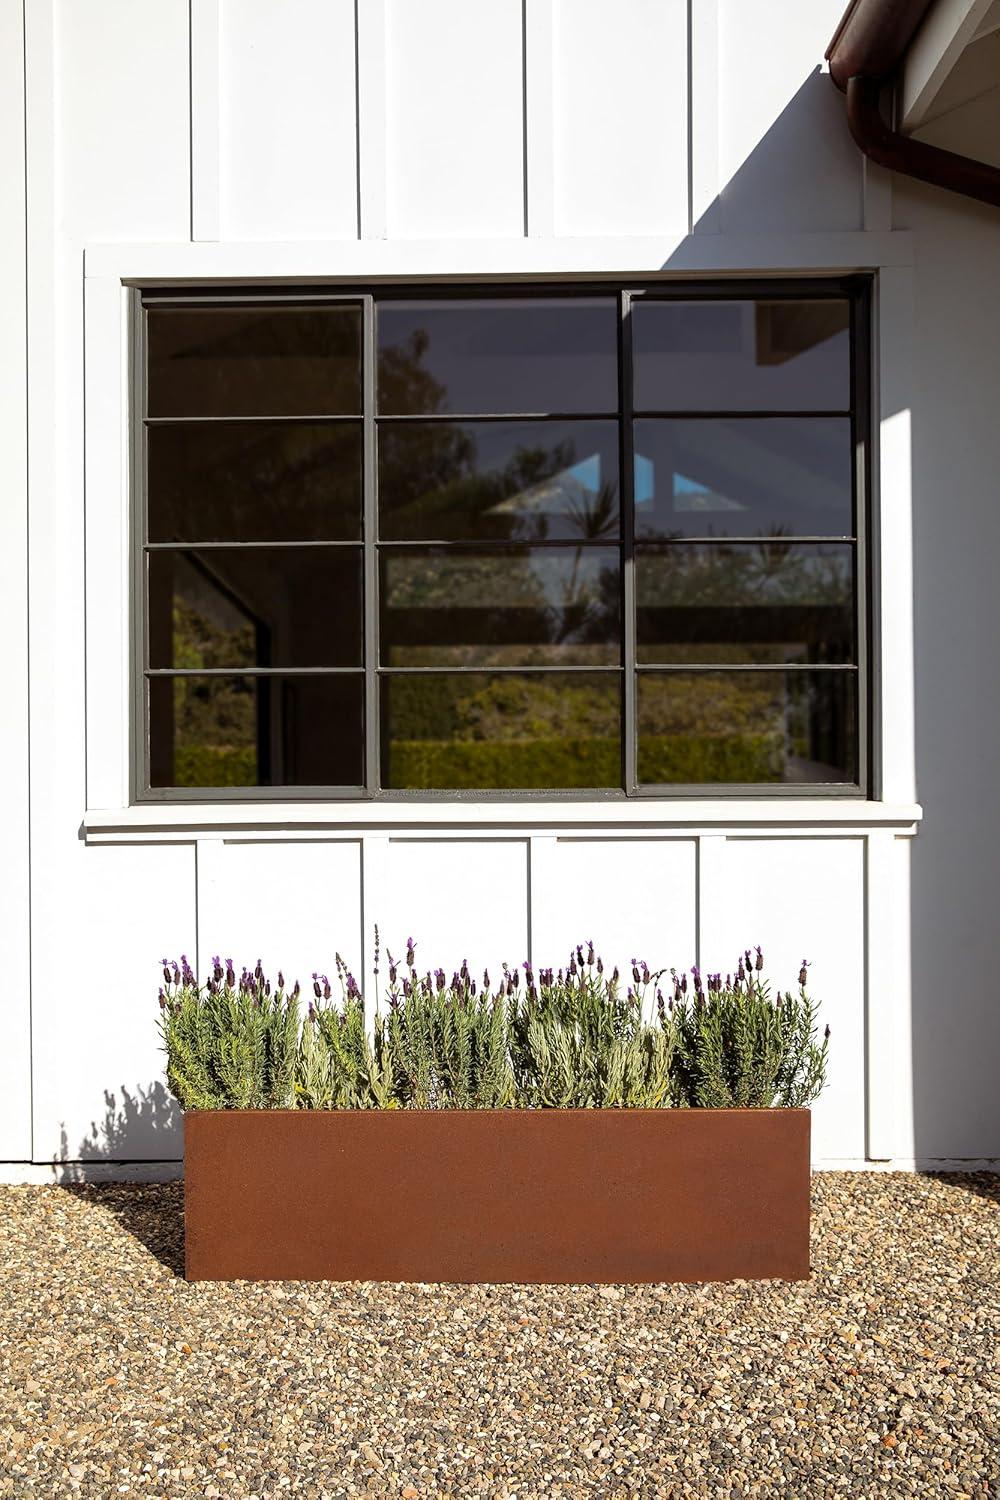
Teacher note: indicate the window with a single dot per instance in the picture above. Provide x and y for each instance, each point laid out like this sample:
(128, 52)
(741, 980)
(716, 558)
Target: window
(597, 540)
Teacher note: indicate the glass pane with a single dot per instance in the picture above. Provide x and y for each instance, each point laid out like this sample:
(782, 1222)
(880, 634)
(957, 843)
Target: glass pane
(254, 482)
(498, 481)
(543, 606)
(256, 731)
(506, 354)
(444, 731)
(760, 602)
(747, 727)
(271, 360)
(741, 356)
(752, 476)
(256, 607)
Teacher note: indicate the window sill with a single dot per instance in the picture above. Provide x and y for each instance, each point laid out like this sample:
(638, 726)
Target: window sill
(173, 823)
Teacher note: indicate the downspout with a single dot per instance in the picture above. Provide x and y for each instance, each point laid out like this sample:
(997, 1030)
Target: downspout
(867, 47)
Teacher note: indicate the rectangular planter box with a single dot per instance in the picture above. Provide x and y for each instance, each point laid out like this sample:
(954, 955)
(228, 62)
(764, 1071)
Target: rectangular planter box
(575, 1195)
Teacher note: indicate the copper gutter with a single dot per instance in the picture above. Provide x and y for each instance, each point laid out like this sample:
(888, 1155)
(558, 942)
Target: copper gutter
(865, 51)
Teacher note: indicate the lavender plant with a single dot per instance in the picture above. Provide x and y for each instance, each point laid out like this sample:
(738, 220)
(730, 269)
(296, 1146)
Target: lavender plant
(737, 1048)
(444, 1044)
(556, 1039)
(577, 1042)
(338, 1068)
(230, 1043)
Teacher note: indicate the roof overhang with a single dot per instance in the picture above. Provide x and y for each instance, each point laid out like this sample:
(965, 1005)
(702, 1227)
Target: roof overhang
(936, 55)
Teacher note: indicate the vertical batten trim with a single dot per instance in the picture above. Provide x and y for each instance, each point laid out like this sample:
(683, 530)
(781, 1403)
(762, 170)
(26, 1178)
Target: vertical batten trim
(374, 876)
(45, 423)
(206, 89)
(209, 855)
(703, 117)
(709, 897)
(892, 539)
(876, 192)
(539, 123)
(15, 875)
(884, 954)
(541, 872)
(371, 64)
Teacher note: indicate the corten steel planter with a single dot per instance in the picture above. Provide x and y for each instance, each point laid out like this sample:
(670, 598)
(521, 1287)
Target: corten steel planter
(553, 1195)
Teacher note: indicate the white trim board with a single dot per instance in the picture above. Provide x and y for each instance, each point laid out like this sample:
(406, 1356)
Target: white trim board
(367, 260)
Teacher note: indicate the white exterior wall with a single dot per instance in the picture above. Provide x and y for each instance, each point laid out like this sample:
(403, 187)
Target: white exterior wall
(238, 139)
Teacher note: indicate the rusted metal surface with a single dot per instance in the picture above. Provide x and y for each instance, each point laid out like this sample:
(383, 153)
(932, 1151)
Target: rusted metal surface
(872, 37)
(901, 153)
(500, 1196)
(865, 52)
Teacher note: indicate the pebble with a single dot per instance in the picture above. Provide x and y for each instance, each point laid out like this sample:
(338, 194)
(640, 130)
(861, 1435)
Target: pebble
(877, 1376)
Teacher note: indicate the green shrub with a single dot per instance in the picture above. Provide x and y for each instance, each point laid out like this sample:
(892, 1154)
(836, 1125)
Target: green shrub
(736, 1048)
(548, 1040)
(230, 1044)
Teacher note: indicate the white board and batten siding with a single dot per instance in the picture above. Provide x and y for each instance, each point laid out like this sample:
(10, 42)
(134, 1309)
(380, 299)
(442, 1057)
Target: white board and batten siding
(238, 140)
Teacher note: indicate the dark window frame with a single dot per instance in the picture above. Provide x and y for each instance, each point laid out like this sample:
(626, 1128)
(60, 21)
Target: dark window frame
(857, 289)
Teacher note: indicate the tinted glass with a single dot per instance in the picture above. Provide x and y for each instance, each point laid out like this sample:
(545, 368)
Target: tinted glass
(255, 607)
(759, 602)
(507, 354)
(741, 356)
(254, 482)
(747, 727)
(266, 361)
(750, 476)
(527, 731)
(498, 481)
(256, 731)
(545, 606)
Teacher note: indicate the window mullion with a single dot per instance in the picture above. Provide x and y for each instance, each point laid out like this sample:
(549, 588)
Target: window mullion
(627, 490)
(369, 535)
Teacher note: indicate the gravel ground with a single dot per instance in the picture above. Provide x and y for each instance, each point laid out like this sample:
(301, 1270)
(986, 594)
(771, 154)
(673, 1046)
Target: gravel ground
(876, 1377)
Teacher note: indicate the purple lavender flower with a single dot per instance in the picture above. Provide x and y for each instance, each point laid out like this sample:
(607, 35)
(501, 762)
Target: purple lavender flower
(410, 950)
(590, 950)
(759, 964)
(230, 973)
(802, 973)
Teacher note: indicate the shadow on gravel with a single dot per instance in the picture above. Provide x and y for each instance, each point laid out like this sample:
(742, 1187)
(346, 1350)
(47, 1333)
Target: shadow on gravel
(981, 1184)
(152, 1213)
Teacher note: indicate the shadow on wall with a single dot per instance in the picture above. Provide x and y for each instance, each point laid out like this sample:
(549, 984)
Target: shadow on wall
(141, 1128)
(805, 174)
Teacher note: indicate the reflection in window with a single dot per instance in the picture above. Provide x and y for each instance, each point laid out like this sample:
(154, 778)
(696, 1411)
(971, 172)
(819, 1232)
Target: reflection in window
(765, 602)
(254, 482)
(553, 606)
(422, 574)
(745, 476)
(513, 731)
(746, 728)
(264, 361)
(498, 481)
(296, 607)
(248, 731)
(742, 356)
(511, 354)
